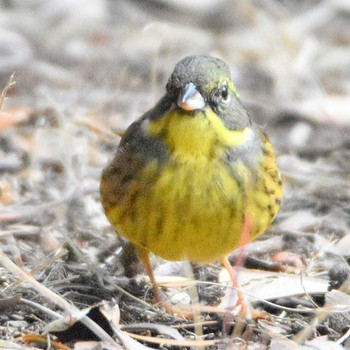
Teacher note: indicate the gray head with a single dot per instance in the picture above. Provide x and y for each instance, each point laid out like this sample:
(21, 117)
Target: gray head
(200, 82)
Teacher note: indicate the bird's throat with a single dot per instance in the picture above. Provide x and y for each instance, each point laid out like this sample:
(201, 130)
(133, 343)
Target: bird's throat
(200, 134)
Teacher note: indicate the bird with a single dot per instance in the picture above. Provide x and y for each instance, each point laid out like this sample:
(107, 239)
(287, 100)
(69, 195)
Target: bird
(194, 177)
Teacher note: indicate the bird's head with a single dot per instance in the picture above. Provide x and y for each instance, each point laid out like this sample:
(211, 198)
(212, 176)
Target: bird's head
(201, 82)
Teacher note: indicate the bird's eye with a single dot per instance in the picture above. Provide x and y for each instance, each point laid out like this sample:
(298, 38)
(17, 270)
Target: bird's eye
(224, 92)
(220, 96)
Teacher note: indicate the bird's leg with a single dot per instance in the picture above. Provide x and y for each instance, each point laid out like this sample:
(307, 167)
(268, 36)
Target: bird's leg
(244, 239)
(246, 311)
(158, 297)
(246, 230)
(144, 257)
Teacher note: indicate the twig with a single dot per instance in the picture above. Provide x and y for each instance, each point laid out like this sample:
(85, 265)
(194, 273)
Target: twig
(100, 278)
(343, 338)
(173, 342)
(322, 316)
(42, 308)
(7, 88)
(31, 211)
(53, 297)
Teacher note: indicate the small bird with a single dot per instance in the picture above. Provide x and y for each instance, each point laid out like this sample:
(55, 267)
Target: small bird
(193, 178)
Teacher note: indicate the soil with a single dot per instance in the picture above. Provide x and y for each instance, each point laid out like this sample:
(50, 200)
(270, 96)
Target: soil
(83, 71)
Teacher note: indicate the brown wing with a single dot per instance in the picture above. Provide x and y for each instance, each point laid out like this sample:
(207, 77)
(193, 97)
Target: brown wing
(120, 179)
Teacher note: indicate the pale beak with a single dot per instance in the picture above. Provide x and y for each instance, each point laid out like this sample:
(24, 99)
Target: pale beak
(190, 99)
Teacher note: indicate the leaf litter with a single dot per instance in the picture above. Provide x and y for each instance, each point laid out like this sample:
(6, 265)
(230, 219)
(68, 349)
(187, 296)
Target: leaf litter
(103, 64)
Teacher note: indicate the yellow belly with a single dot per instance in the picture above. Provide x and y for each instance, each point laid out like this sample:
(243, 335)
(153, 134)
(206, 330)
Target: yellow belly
(191, 210)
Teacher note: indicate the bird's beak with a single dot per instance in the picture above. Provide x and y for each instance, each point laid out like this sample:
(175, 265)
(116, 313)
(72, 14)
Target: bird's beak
(190, 99)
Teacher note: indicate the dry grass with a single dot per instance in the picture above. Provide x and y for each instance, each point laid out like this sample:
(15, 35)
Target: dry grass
(86, 68)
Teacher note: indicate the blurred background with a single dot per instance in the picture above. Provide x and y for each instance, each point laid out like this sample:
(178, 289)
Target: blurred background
(113, 57)
(84, 68)
(104, 63)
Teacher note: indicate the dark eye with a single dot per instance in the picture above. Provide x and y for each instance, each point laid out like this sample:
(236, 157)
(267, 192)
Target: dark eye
(220, 96)
(224, 92)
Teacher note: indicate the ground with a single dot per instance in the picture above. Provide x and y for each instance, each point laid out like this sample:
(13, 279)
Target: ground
(86, 69)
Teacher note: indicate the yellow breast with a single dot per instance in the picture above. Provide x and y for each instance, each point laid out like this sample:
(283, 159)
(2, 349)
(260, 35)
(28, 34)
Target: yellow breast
(193, 211)
(192, 206)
